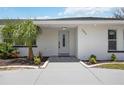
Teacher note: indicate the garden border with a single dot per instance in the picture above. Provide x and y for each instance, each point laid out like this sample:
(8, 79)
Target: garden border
(30, 67)
(89, 66)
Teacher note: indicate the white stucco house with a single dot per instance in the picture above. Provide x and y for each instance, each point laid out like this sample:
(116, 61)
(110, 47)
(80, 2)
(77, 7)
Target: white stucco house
(79, 37)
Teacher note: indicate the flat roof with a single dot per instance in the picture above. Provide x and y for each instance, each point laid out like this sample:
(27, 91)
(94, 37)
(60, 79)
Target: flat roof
(68, 19)
(86, 18)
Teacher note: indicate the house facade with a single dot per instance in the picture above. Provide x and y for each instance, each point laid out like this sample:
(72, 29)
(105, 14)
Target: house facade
(80, 37)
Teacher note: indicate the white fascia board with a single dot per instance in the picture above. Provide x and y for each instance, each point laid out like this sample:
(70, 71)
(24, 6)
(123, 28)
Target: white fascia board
(76, 22)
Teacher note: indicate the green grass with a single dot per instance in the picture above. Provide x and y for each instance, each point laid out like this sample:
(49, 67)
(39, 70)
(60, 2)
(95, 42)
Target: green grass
(112, 66)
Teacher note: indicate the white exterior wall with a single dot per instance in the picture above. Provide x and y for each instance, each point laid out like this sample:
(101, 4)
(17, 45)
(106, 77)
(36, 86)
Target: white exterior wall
(93, 39)
(85, 40)
(47, 43)
(72, 42)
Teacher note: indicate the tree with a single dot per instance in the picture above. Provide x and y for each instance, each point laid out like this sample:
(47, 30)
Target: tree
(119, 12)
(7, 32)
(27, 32)
(21, 31)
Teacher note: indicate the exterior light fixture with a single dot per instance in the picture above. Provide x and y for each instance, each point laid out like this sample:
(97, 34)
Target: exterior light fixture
(64, 28)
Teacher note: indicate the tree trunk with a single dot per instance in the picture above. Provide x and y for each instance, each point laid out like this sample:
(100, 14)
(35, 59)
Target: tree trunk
(30, 53)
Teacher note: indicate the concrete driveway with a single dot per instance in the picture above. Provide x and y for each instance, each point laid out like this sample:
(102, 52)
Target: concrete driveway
(62, 73)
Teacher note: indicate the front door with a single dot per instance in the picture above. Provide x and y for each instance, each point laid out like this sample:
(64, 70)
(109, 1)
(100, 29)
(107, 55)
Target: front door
(63, 43)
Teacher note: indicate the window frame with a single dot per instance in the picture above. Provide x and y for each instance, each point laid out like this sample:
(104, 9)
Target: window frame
(63, 40)
(110, 48)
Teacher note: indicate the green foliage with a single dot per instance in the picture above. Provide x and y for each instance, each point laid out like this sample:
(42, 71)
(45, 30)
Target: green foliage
(20, 32)
(93, 56)
(112, 66)
(37, 60)
(92, 59)
(28, 32)
(6, 50)
(113, 57)
(7, 32)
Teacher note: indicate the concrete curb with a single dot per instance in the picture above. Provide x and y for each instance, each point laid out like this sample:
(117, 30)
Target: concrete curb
(82, 63)
(45, 64)
(18, 66)
(99, 64)
(30, 67)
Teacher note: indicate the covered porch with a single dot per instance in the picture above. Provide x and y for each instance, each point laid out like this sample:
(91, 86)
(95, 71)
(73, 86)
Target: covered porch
(57, 40)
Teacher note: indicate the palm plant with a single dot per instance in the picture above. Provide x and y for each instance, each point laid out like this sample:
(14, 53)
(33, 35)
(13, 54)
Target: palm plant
(27, 32)
(21, 31)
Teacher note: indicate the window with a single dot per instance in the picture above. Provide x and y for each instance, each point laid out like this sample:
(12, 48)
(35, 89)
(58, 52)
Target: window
(63, 39)
(7, 40)
(112, 40)
(23, 43)
(20, 43)
(34, 43)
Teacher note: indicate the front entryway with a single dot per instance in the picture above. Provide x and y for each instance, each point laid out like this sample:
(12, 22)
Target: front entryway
(63, 43)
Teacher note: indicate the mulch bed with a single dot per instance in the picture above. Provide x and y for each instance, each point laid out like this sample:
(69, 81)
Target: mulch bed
(20, 61)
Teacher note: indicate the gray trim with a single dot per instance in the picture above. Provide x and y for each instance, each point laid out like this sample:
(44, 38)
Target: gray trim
(116, 51)
(86, 18)
(23, 46)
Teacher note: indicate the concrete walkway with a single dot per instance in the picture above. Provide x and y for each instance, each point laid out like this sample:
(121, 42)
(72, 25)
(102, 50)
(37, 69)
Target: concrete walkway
(62, 73)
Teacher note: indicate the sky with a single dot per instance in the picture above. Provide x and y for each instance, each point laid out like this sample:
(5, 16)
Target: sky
(54, 12)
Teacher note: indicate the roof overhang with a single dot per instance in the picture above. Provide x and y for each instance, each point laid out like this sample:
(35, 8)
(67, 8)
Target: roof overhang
(72, 21)
(75, 23)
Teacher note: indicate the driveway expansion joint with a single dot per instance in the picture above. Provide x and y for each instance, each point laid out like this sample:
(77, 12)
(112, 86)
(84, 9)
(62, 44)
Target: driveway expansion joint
(86, 66)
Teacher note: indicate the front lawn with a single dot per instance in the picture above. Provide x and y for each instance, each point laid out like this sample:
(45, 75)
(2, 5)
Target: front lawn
(112, 66)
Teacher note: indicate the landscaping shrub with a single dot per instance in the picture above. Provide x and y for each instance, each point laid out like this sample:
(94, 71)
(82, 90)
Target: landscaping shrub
(113, 57)
(7, 51)
(92, 59)
(37, 60)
